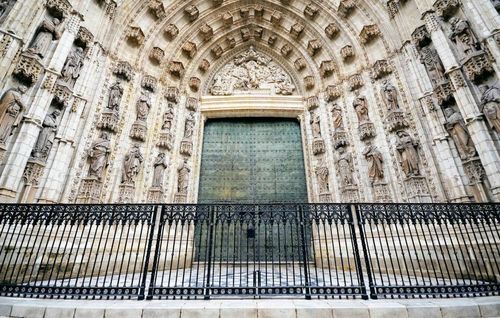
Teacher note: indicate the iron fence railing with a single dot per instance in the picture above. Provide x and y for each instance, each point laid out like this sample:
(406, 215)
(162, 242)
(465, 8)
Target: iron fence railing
(259, 250)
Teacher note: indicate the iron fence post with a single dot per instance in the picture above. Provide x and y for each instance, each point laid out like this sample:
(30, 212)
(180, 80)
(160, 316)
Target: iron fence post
(302, 220)
(211, 229)
(157, 251)
(142, 290)
(362, 235)
(357, 254)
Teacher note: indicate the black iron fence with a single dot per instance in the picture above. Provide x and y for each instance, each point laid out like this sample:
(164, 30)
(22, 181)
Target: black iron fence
(264, 250)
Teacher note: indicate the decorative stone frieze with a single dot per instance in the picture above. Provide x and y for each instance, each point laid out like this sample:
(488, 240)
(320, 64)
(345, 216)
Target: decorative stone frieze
(311, 11)
(206, 32)
(194, 83)
(420, 37)
(149, 83)
(369, 33)
(227, 19)
(312, 102)
(135, 36)
(276, 18)
(366, 131)
(204, 65)
(217, 51)
(333, 92)
(191, 13)
(346, 7)
(156, 7)
(28, 69)
(327, 68)
(332, 30)
(478, 67)
(355, 82)
(286, 50)
(299, 64)
(381, 68)
(84, 38)
(314, 46)
(258, 10)
(172, 94)
(189, 49)
(245, 34)
(192, 104)
(171, 31)
(297, 29)
(124, 70)
(176, 68)
(347, 52)
(446, 8)
(309, 82)
(381, 193)
(157, 55)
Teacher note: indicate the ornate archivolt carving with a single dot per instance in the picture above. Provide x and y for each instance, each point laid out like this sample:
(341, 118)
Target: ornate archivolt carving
(189, 49)
(204, 65)
(369, 33)
(311, 11)
(381, 68)
(194, 83)
(333, 92)
(314, 46)
(176, 68)
(206, 32)
(124, 70)
(149, 83)
(217, 51)
(258, 10)
(11, 110)
(490, 105)
(346, 7)
(286, 50)
(172, 94)
(297, 29)
(276, 18)
(299, 64)
(355, 82)
(244, 12)
(332, 30)
(258, 32)
(28, 69)
(157, 55)
(309, 82)
(245, 34)
(191, 12)
(171, 31)
(227, 19)
(217, 3)
(272, 40)
(347, 52)
(251, 71)
(157, 8)
(327, 68)
(446, 8)
(135, 35)
(231, 42)
(392, 8)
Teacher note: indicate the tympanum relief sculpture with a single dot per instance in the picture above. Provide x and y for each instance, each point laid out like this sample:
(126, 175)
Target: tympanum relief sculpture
(490, 104)
(166, 137)
(250, 72)
(459, 133)
(395, 116)
(318, 142)
(111, 114)
(72, 67)
(11, 109)
(47, 32)
(142, 107)
(187, 140)
(99, 156)
(45, 140)
(365, 126)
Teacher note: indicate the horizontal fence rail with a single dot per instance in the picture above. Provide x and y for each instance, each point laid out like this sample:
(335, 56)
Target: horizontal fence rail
(250, 250)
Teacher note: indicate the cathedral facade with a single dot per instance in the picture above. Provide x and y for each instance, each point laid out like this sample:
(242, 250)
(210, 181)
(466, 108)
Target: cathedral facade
(177, 101)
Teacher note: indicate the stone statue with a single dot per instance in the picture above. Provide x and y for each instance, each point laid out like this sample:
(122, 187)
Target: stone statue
(159, 165)
(345, 168)
(458, 131)
(5, 5)
(183, 178)
(115, 98)
(168, 118)
(375, 164)
(323, 174)
(316, 125)
(46, 137)
(463, 36)
(99, 155)
(407, 149)
(430, 58)
(390, 94)
(338, 124)
(132, 165)
(143, 106)
(361, 106)
(490, 103)
(189, 126)
(46, 33)
(11, 108)
(72, 67)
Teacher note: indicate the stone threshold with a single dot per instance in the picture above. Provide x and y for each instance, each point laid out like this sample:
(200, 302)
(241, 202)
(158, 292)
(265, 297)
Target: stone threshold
(269, 308)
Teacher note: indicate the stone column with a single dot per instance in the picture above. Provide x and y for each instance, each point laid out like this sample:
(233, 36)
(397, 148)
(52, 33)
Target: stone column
(468, 107)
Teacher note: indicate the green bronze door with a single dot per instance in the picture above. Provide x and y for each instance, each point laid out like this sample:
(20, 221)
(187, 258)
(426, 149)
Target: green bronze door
(253, 161)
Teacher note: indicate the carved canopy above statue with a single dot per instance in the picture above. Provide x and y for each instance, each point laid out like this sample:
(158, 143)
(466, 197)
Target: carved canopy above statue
(251, 72)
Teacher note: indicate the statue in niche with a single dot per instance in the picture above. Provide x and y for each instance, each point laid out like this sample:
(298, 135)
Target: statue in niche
(407, 149)
(143, 106)
(361, 106)
(5, 5)
(46, 33)
(390, 94)
(490, 104)
(345, 168)
(459, 133)
(11, 108)
(99, 155)
(159, 165)
(375, 164)
(338, 123)
(168, 118)
(46, 137)
(430, 58)
(316, 125)
(463, 36)
(323, 174)
(115, 98)
(189, 126)
(132, 165)
(183, 177)
(72, 67)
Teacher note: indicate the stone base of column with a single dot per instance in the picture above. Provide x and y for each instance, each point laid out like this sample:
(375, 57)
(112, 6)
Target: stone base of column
(109, 120)
(155, 195)
(186, 148)
(339, 139)
(180, 198)
(138, 131)
(381, 193)
(90, 191)
(396, 120)
(349, 194)
(325, 198)
(126, 193)
(165, 140)
(417, 190)
(366, 131)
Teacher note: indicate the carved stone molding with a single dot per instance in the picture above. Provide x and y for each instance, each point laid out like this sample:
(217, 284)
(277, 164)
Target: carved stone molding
(139, 131)
(366, 131)
(192, 104)
(333, 92)
(217, 3)
(312, 102)
(176, 68)
(478, 67)
(172, 94)
(157, 55)
(332, 30)
(420, 37)
(474, 170)
(346, 7)
(327, 68)
(318, 146)
(286, 50)
(381, 68)
(258, 10)
(206, 32)
(84, 38)
(165, 140)
(347, 52)
(227, 19)
(381, 193)
(392, 8)
(355, 82)
(231, 42)
(311, 11)
(396, 120)
(28, 69)
(186, 148)
(349, 194)
(297, 29)
(109, 121)
(189, 49)
(276, 18)
(124, 70)
(299, 64)
(156, 7)
(135, 36)
(194, 83)
(62, 95)
(217, 51)
(444, 93)
(156, 195)
(446, 8)
(314, 46)
(204, 65)
(258, 32)
(369, 33)
(150, 83)
(244, 12)
(126, 193)
(272, 40)
(457, 78)
(417, 189)
(191, 12)
(339, 138)
(171, 31)
(309, 82)
(33, 172)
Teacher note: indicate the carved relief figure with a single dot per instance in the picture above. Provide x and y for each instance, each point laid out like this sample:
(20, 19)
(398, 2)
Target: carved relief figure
(115, 98)
(345, 168)
(11, 108)
(189, 126)
(463, 36)
(72, 67)
(46, 137)
(315, 125)
(430, 58)
(132, 165)
(407, 149)
(338, 123)
(390, 94)
(143, 106)
(168, 118)
(323, 174)
(99, 155)
(490, 103)
(361, 106)
(458, 131)
(159, 165)
(183, 178)
(375, 164)
(46, 33)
